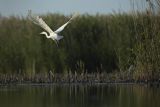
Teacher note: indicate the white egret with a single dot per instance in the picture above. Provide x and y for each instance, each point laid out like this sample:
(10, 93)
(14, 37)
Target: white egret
(54, 35)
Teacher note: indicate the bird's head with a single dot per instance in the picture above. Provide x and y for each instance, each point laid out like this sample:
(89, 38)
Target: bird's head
(43, 33)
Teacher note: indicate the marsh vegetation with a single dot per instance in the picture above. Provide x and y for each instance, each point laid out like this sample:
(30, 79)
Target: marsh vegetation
(126, 45)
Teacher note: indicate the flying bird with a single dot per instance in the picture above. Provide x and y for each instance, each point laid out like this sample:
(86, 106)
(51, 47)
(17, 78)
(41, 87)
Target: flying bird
(54, 35)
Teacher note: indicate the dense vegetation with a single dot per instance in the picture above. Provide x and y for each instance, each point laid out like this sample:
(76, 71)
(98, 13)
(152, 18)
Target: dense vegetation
(124, 43)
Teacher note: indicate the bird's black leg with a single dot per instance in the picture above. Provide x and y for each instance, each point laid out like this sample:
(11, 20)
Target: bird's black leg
(56, 42)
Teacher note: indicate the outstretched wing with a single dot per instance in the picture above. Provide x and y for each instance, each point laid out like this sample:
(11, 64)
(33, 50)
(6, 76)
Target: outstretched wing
(39, 21)
(63, 26)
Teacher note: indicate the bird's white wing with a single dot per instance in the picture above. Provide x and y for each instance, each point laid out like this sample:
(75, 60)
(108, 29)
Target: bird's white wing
(63, 26)
(39, 21)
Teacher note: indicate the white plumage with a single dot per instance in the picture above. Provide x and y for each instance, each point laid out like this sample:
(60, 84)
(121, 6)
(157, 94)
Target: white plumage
(52, 34)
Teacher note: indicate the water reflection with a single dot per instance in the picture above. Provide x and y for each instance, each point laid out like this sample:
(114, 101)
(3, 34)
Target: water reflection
(79, 95)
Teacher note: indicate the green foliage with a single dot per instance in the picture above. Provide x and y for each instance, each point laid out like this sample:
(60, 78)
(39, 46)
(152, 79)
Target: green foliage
(100, 43)
(147, 47)
(87, 39)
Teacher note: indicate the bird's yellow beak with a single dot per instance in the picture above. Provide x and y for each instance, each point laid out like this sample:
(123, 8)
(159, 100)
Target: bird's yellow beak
(41, 33)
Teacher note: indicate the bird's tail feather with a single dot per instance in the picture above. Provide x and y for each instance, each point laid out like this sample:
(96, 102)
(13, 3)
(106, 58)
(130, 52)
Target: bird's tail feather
(59, 37)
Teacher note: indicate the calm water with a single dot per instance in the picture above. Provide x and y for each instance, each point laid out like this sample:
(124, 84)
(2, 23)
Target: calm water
(79, 96)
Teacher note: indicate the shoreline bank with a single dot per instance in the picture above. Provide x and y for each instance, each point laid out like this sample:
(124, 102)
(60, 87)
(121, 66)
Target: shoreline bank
(95, 78)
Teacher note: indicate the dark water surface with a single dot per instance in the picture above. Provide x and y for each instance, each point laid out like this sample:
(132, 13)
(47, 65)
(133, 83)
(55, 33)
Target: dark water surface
(82, 95)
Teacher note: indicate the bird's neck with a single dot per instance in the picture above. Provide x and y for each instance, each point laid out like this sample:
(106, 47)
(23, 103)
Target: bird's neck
(47, 36)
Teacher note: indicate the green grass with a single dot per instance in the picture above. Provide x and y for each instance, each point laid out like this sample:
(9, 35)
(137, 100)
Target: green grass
(92, 44)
